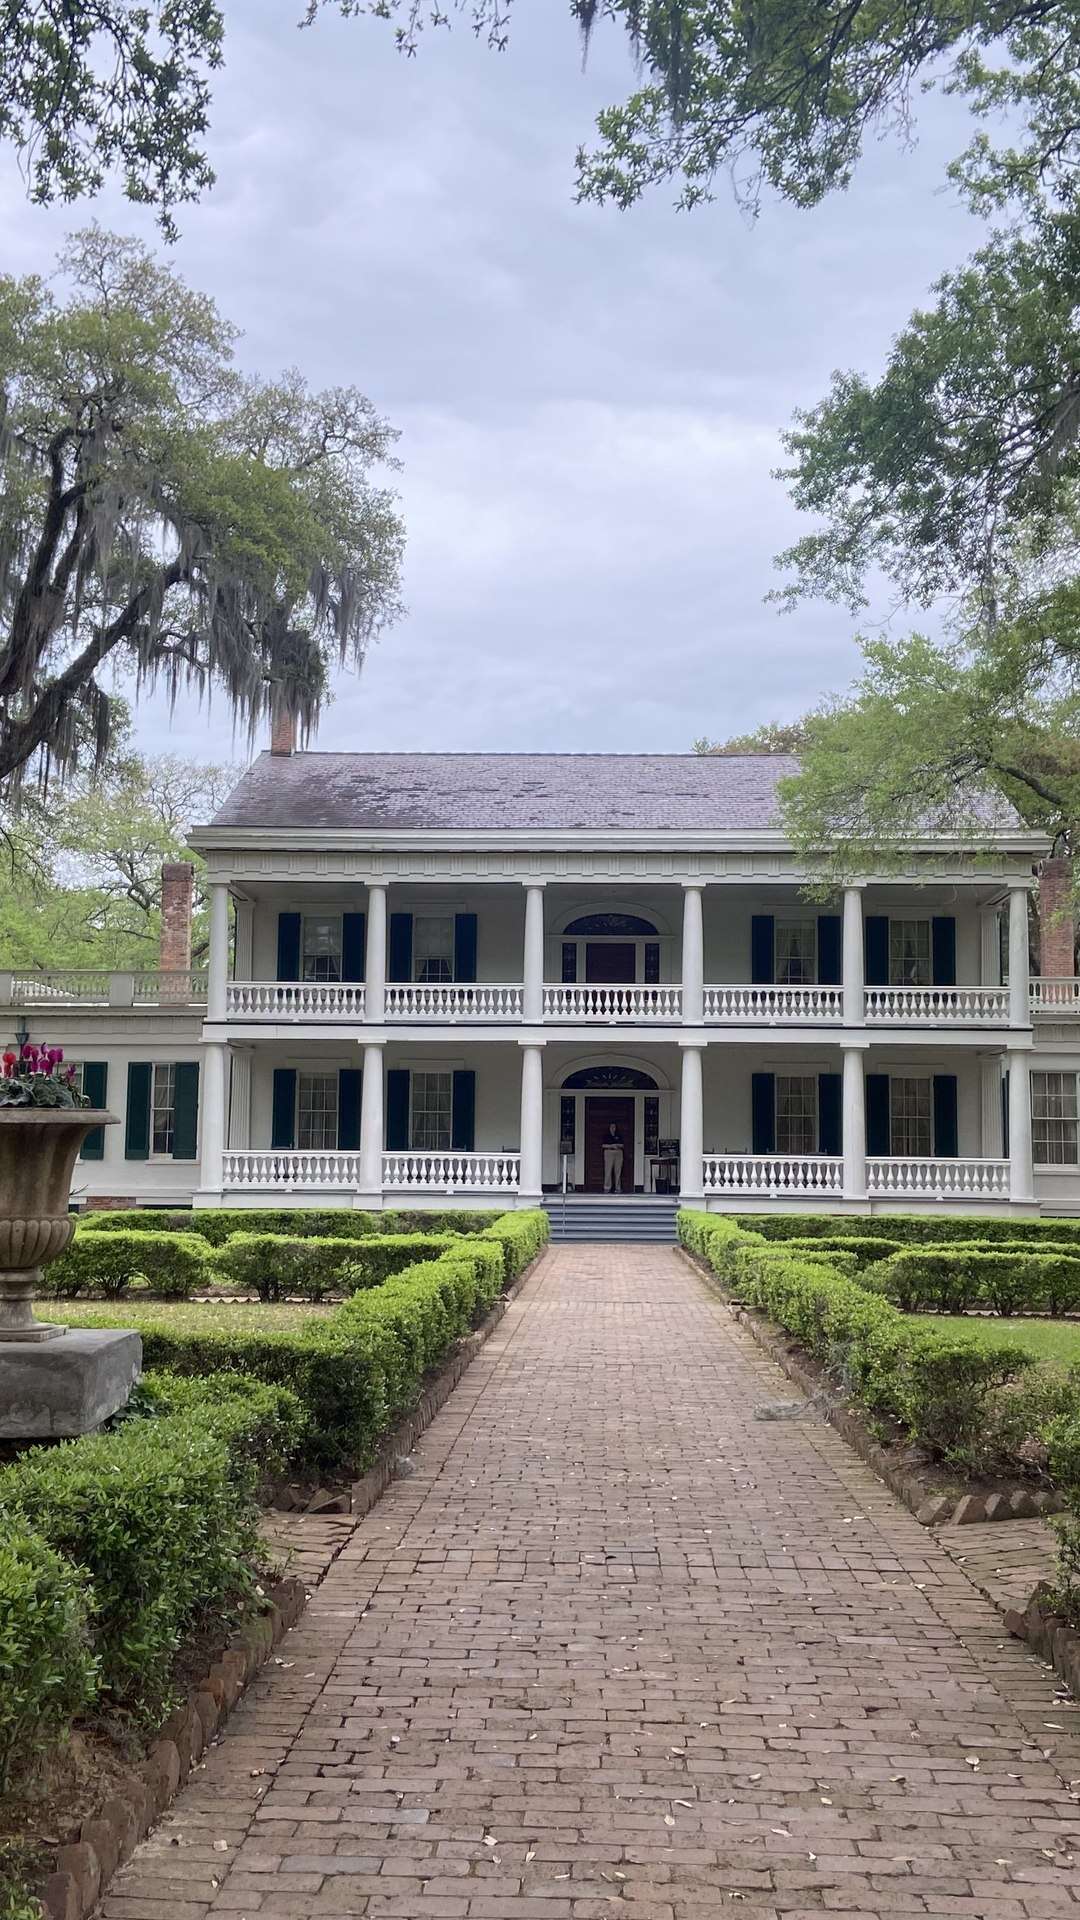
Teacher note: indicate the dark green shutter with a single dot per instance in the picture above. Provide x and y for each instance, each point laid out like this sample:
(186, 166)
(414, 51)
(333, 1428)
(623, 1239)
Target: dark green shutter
(283, 1111)
(186, 1112)
(877, 1114)
(397, 1110)
(137, 1129)
(762, 950)
(463, 1112)
(877, 950)
(946, 1128)
(352, 945)
(465, 946)
(829, 938)
(348, 1117)
(95, 1082)
(943, 948)
(399, 965)
(288, 946)
(829, 1113)
(763, 1112)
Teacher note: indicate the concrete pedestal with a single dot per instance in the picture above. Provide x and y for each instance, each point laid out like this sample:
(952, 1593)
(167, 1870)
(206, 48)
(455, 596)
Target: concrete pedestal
(68, 1386)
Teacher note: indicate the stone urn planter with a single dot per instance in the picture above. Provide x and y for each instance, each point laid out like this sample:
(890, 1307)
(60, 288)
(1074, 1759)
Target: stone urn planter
(38, 1150)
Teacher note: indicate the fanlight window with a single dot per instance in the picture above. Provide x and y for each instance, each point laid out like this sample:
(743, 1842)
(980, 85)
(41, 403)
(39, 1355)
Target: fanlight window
(608, 1080)
(628, 926)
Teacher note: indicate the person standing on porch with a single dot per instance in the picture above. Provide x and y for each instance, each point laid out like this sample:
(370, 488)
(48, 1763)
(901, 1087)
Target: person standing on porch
(613, 1160)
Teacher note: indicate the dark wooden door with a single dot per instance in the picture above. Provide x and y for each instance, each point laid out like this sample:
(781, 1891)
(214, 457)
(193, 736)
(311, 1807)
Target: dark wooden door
(599, 1114)
(611, 963)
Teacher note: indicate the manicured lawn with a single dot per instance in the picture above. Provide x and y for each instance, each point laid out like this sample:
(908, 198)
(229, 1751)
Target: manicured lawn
(182, 1315)
(1057, 1340)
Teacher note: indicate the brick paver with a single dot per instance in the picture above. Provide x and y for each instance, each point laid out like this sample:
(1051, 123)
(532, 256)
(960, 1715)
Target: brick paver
(618, 1648)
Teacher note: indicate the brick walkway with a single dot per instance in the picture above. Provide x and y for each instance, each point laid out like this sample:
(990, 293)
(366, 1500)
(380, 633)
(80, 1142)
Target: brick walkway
(618, 1648)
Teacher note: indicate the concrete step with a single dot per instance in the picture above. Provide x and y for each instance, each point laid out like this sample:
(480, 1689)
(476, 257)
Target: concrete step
(641, 1217)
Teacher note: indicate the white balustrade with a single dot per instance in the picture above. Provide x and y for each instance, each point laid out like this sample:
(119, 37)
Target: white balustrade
(1055, 996)
(420, 1172)
(965, 1179)
(172, 989)
(774, 1006)
(586, 1000)
(100, 987)
(937, 1006)
(454, 1000)
(773, 1173)
(295, 999)
(282, 1168)
(90, 988)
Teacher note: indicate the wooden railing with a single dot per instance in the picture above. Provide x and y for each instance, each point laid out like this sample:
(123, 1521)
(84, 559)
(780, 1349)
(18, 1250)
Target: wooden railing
(772, 1173)
(964, 1179)
(774, 1006)
(454, 1000)
(1055, 996)
(419, 1172)
(937, 1006)
(280, 1169)
(585, 1000)
(294, 1000)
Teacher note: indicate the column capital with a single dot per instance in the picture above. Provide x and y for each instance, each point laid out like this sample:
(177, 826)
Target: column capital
(529, 882)
(698, 885)
(692, 1046)
(532, 1043)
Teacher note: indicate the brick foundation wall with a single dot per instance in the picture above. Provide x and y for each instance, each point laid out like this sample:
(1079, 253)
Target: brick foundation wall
(1057, 945)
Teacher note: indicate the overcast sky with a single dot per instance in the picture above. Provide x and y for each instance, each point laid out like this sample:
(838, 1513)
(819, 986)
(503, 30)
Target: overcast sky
(589, 402)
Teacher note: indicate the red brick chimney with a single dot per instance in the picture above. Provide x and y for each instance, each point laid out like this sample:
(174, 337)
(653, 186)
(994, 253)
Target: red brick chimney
(283, 733)
(177, 877)
(1057, 938)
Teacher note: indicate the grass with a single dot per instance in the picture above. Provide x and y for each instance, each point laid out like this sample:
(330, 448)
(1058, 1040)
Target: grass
(194, 1315)
(1054, 1340)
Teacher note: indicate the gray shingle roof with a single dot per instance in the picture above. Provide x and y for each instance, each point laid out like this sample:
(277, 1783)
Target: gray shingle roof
(491, 792)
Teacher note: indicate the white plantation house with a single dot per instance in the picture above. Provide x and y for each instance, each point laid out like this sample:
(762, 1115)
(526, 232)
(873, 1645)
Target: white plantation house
(449, 978)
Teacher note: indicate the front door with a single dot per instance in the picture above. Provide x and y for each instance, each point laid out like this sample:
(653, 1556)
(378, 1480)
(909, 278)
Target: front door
(601, 1114)
(611, 963)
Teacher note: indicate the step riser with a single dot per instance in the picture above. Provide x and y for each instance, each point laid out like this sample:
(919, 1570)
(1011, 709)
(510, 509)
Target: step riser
(627, 1223)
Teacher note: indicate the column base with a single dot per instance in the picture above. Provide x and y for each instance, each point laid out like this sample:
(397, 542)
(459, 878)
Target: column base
(67, 1386)
(363, 1202)
(208, 1197)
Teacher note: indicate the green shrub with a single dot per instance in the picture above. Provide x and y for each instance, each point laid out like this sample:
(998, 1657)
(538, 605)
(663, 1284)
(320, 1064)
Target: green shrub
(521, 1235)
(160, 1520)
(263, 1426)
(218, 1224)
(912, 1229)
(865, 1249)
(274, 1265)
(387, 1254)
(958, 1279)
(47, 1672)
(174, 1264)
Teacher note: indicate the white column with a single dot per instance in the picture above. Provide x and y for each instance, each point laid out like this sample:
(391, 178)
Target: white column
(240, 1063)
(691, 1129)
(531, 1181)
(693, 955)
(375, 962)
(1021, 1179)
(219, 950)
(371, 1127)
(213, 1082)
(989, 948)
(533, 964)
(1019, 985)
(853, 971)
(853, 1124)
(244, 913)
(990, 1112)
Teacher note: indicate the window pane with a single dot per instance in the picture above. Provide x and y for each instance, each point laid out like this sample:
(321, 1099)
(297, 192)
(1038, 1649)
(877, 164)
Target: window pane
(910, 1124)
(433, 946)
(796, 1113)
(1054, 1119)
(430, 1123)
(322, 947)
(317, 1111)
(909, 953)
(796, 952)
(163, 1109)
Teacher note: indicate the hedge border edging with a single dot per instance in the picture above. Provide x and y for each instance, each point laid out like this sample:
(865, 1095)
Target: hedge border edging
(930, 1509)
(1048, 1635)
(83, 1868)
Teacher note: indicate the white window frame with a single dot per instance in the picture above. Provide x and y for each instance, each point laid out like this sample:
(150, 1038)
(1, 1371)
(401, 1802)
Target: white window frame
(813, 1112)
(897, 976)
(808, 929)
(309, 1074)
(430, 1073)
(162, 1067)
(908, 1153)
(323, 919)
(1043, 1124)
(433, 979)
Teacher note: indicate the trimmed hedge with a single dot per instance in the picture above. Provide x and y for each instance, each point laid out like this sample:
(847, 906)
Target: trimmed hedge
(218, 1224)
(275, 1264)
(910, 1229)
(48, 1674)
(958, 1279)
(354, 1369)
(941, 1390)
(174, 1264)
